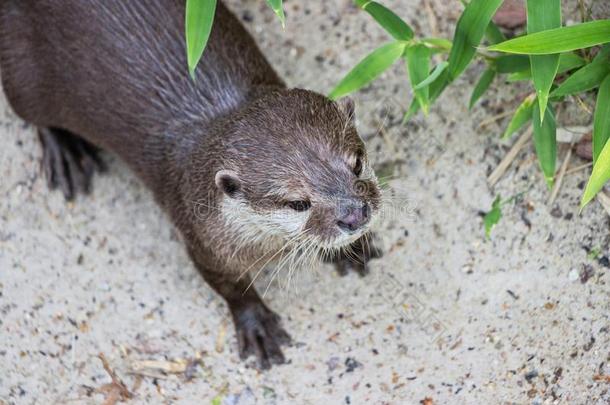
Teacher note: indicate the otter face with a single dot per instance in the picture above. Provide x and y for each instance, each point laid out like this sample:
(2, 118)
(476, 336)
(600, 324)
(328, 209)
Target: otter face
(305, 178)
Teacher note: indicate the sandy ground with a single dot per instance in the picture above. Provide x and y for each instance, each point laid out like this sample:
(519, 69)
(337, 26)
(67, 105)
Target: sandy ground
(445, 315)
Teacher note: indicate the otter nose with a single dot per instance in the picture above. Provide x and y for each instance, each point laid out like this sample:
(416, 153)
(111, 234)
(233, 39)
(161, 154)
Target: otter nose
(354, 218)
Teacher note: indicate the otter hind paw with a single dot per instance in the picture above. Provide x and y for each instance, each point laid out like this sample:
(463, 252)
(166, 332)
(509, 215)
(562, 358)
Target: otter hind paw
(68, 161)
(356, 257)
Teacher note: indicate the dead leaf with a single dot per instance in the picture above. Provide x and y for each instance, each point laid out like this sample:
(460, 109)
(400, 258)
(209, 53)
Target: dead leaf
(116, 391)
(220, 338)
(177, 366)
(584, 148)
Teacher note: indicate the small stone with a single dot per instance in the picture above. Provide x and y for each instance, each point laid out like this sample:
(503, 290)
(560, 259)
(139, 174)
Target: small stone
(529, 376)
(574, 275)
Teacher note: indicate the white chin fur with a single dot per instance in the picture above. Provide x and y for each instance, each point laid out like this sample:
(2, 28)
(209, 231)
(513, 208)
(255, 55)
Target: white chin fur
(344, 239)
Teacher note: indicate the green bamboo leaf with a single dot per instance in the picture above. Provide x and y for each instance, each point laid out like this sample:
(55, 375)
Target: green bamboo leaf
(588, 77)
(545, 141)
(567, 61)
(492, 218)
(511, 63)
(521, 117)
(519, 76)
(493, 34)
(436, 72)
(368, 69)
(436, 89)
(278, 9)
(440, 43)
(543, 15)
(544, 69)
(599, 176)
(392, 23)
(558, 40)
(468, 34)
(601, 119)
(199, 18)
(483, 84)
(418, 66)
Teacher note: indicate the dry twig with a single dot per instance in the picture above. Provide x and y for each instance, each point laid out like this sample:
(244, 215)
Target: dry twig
(432, 19)
(578, 168)
(604, 200)
(116, 390)
(560, 175)
(495, 118)
(499, 171)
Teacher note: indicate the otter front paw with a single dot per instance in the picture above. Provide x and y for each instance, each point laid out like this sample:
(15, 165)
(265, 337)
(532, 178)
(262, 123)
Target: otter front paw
(356, 257)
(259, 332)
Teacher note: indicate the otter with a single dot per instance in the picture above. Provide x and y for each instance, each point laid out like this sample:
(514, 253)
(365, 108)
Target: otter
(247, 169)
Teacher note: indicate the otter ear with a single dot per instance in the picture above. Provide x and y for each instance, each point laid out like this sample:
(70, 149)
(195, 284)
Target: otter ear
(347, 107)
(228, 182)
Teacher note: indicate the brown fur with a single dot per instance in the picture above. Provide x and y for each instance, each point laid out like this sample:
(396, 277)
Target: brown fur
(113, 73)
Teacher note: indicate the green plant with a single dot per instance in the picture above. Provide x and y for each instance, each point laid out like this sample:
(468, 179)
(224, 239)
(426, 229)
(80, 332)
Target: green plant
(546, 51)
(198, 21)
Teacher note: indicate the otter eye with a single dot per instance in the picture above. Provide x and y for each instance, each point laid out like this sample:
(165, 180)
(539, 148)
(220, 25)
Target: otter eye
(358, 166)
(299, 206)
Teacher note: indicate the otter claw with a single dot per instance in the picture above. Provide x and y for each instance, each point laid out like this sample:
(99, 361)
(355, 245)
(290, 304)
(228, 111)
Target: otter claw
(259, 332)
(344, 266)
(68, 161)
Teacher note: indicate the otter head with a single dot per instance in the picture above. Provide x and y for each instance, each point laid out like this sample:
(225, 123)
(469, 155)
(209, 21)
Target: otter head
(295, 168)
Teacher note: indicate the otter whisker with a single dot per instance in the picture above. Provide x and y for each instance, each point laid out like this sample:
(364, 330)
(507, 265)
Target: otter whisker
(367, 242)
(262, 257)
(288, 243)
(294, 262)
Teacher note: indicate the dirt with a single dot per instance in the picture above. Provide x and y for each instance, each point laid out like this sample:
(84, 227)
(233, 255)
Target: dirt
(445, 317)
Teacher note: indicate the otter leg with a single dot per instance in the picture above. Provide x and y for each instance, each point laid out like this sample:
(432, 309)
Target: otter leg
(258, 328)
(356, 257)
(68, 161)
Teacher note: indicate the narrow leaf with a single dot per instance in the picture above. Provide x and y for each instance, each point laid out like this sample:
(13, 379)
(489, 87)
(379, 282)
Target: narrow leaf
(492, 218)
(392, 23)
(545, 141)
(436, 89)
(588, 77)
(440, 43)
(468, 34)
(543, 15)
(418, 66)
(511, 63)
(436, 72)
(558, 40)
(601, 119)
(368, 69)
(519, 76)
(278, 9)
(567, 61)
(599, 176)
(483, 84)
(198, 25)
(493, 34)
(521, 117)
